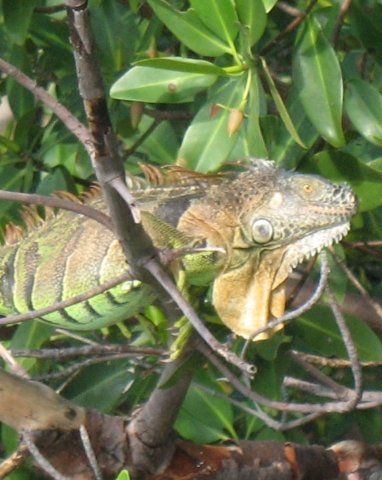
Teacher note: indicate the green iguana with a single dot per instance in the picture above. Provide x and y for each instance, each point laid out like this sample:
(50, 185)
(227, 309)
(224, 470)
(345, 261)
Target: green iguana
(259, 224)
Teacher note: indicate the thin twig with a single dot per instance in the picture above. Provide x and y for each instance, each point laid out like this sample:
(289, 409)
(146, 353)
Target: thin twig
(14, 366)
(158, 273)
(341, 392)
(374, 305)
(56, 202)
(279, 426)
(81, 365)
(86, 350)
(39, 458)
(128, 152)
(371, 243)
(167, 115)
(289, 28)
(90, 452)
(345, 5)
(368, 399)
(285, 7)
(70, 121)
(331, 362)
(366, 247)
(23, 317)
(328, 407)
(50, 9)
(13, 461)
(301, 281)
(298, 311)
(350, 348)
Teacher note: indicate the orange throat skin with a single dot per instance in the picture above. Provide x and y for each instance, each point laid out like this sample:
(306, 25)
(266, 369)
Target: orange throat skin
(247, 298)
(252, 294)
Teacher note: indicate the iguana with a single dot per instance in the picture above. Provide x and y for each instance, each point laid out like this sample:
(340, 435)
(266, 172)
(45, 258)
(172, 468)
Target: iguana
(258, 223)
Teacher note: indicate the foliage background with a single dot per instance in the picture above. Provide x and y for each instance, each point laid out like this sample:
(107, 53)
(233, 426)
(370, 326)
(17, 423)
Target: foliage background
(199, 83)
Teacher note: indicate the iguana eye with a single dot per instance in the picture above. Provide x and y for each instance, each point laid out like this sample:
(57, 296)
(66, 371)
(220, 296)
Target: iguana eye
(312, 189)
(262, 231)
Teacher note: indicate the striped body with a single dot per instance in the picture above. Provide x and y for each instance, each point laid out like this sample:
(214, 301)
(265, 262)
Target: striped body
(65, 256)
(70, 254)
(257, 224)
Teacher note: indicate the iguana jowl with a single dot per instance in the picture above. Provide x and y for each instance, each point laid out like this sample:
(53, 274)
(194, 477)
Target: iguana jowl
(259, 224)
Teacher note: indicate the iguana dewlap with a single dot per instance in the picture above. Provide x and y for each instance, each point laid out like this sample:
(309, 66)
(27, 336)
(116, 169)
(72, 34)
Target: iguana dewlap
(259, 224)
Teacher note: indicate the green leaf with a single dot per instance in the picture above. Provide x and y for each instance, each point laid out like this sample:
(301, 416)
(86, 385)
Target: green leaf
(253, 17)
(250, 140)
(254, 136)
(162, 145)
(317, 77)
(115, 52)
(190, 30)
(181, 64)
(56, 180)
(269, 4)
(32, 334)
(363, 104)
(89, 387)
(286, 151)
(285, 117)
(123, 475)
(54, 152)
(320, 331)
(206, 143)
(366, 18)
(340, 166)
(204, 417)
(153, 85)
(17, 16)
(20, 99)
(219, 16)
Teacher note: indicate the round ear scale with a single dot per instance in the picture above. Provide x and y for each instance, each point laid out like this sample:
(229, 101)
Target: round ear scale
(262, 231)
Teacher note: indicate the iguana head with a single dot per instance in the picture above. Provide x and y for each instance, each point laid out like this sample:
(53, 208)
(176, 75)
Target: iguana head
(266, 220)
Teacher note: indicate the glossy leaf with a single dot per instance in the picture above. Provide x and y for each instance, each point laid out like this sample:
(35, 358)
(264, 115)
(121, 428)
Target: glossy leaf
(17, 16)
(218, 15)
(162, 145)
(269, 4)
(123, 475)
(58, 179)
(367, 20)
(285, 150)
(204, 417)
(323, 335)
(250, 140)
(190, 30)
(363, 104)
(115, 51)
(254, 135)
(20, 99)
(31, 335)
(153, 85)
(343, 167)
(207, 143)
(281, 106)
(317, 77)
(180, 64)
(90, 385)
(253, 17)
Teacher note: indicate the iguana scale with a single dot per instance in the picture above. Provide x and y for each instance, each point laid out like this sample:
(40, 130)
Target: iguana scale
(259, 224)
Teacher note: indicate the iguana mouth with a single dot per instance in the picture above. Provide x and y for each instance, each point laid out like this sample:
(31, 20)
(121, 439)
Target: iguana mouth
(308, 246)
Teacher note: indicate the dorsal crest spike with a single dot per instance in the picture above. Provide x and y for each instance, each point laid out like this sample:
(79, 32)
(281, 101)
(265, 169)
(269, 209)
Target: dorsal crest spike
(12, 233)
